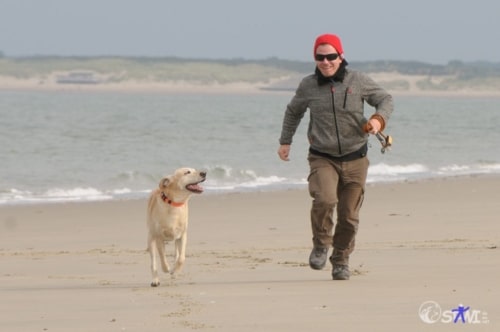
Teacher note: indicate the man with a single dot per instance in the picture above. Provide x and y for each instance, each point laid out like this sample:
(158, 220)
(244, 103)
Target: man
(338, 137)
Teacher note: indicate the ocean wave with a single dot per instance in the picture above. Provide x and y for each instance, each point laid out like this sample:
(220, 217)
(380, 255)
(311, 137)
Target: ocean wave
(225, 179)
(58, 195)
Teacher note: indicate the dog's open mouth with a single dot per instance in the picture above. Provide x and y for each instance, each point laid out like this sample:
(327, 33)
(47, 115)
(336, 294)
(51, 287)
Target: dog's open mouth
(195, 187)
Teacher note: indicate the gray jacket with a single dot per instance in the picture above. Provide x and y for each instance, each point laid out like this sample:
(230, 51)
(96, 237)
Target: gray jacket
(336, 112)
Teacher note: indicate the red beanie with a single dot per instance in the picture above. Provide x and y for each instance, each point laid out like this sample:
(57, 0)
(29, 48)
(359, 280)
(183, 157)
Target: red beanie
(329, 39)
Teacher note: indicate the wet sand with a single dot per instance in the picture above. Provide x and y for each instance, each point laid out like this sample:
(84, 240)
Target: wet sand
(83, 266)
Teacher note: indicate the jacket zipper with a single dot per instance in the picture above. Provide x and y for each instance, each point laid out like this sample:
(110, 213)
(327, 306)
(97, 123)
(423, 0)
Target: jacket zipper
(335, 118)
(345, 96)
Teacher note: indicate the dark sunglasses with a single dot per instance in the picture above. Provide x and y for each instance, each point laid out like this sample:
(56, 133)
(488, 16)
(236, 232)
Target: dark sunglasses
(329, 57)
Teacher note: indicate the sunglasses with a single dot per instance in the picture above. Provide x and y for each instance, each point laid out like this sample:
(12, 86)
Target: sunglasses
(329, 57)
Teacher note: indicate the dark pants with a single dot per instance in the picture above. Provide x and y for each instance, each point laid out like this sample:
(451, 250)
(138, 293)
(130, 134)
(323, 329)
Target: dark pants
(338, 184)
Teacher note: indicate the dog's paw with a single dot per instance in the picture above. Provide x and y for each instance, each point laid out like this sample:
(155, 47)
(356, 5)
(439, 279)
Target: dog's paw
(155, 284)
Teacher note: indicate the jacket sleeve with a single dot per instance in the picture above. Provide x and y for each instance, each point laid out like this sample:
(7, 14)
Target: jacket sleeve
(293, 115)
(377, 97)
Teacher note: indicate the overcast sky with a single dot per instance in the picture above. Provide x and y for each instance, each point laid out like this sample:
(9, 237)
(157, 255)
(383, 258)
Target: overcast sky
(432, 31)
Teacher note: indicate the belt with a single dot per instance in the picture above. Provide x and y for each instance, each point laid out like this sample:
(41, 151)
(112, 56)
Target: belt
(360, 153)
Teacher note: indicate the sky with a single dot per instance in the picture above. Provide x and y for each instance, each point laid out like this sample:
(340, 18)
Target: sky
(431, 31)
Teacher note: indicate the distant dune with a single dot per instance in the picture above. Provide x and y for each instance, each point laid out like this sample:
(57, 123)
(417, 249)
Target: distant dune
(396, 83)
(273, 75)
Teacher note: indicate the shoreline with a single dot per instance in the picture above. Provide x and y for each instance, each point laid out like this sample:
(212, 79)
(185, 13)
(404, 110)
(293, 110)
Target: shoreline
(246, 266)
(182, 87)
(216, 193)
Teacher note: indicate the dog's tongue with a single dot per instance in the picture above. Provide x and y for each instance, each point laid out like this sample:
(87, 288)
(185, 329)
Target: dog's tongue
(195, 187)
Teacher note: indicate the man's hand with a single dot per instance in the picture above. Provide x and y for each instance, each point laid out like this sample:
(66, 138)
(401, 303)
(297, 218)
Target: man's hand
(373, 126)
(284, 152)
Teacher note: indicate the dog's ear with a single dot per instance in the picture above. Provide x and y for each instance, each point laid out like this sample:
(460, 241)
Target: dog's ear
(164, 182)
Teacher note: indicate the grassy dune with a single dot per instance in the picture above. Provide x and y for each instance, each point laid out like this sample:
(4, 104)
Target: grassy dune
(272, 73)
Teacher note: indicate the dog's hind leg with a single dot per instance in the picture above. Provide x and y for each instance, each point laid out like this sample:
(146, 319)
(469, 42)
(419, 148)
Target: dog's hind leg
(153, 252)
(180, 253)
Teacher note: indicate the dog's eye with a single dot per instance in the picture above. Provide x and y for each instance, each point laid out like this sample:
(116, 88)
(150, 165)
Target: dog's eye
(187, 172)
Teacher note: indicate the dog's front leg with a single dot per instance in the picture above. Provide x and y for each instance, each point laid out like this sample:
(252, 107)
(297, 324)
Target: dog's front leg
(153, 252)
(163, 257)
(180, 253)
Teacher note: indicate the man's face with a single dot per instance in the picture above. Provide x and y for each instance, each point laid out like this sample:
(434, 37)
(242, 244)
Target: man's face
(327, 67)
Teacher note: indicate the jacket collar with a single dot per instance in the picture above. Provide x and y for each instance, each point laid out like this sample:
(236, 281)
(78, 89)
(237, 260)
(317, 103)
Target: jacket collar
(337, 77)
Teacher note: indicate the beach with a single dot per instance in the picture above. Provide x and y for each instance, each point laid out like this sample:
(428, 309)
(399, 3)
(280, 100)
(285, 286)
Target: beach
(49, 84)
(83, 266)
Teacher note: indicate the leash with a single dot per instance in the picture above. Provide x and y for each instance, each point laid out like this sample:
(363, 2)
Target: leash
(385, 140)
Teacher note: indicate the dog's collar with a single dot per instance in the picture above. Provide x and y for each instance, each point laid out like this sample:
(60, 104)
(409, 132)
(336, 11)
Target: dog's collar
(169, 201)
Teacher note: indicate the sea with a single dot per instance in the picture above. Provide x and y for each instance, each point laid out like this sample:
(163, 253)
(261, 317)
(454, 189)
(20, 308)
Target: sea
(75, 146)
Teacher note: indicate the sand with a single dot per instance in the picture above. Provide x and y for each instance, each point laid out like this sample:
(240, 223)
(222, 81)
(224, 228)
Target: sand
(83, 266)
(49, 84)
(131, 86)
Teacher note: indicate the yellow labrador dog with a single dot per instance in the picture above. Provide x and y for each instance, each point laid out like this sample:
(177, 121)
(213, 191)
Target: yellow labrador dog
(167, 217)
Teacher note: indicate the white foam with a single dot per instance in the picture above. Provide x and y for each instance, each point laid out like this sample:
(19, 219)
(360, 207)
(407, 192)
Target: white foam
(230, 180)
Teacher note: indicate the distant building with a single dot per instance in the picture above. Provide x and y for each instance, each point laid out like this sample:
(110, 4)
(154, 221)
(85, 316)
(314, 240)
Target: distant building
(78, 78)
